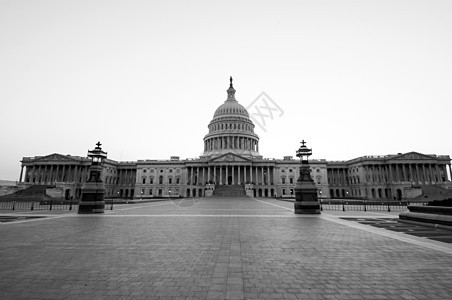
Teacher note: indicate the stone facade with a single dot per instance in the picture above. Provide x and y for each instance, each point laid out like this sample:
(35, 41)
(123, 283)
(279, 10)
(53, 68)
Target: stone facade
(231, 157)
(388, 177)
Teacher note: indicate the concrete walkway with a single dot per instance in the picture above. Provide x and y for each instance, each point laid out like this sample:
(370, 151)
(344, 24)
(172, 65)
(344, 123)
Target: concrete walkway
(217, 249)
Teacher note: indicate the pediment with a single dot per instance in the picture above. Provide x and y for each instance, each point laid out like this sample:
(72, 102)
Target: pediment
(230, 157)
(56, 157)
(413, 156)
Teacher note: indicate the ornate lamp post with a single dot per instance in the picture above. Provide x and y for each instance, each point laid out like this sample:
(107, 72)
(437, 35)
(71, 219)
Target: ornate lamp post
(306, 200)
(94, 190)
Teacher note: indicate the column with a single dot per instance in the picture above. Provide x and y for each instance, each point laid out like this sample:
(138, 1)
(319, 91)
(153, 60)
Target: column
(51, 175)
(450, 172)
(221, 174)
(78, 172)
(402, 173)
(21, 173)
(268, 175)
(410, 172)
(251, 173)
(390, 174)
(272, 177)
(63, 173)
(418, 175)
(244, 174)
(262, 174)
(32, 172)
(424, 173)
(233, 175)
(208, 174)
(215, 181)
(239, 181)
(57, 173)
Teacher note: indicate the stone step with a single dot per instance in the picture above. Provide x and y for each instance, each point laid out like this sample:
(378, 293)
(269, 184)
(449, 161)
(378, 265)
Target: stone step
(229, 191)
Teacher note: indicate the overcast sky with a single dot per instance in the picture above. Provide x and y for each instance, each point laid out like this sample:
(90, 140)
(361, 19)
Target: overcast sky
(352, 78)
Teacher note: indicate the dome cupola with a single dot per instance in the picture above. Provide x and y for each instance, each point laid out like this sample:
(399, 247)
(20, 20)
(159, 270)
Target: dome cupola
(231, 130)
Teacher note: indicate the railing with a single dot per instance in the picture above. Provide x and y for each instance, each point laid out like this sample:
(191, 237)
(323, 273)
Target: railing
(39, 205)
(367, 205)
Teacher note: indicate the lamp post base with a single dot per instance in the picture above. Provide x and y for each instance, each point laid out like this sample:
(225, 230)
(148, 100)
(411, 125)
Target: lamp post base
(91, 207)
(92, 201)
(307, 207)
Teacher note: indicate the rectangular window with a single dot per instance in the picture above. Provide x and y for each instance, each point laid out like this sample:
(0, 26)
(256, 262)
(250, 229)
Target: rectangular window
(291, 180)
(170, 180)
(177, 180)
(144, 180)
(284, 191)
(151, 181)
(283, 180)
(150, 192)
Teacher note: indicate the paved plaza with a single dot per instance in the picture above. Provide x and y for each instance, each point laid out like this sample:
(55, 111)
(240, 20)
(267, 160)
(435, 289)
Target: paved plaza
(223, 248)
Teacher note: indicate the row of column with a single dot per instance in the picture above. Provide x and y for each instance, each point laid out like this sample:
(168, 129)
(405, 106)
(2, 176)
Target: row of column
(416, 173)
(229, 126)
(231, 142)
(50, 173)
(126, 176)
(338, 176)
(228, 174)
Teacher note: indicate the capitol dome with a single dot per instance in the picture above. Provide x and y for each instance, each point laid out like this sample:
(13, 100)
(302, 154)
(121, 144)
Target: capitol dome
(231, 107)
(231, 130)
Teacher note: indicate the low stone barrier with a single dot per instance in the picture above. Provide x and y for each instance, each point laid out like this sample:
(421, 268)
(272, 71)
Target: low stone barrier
(438, 215)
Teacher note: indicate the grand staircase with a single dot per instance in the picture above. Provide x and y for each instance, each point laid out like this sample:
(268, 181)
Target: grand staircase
(34, 193)
(435, 192)
(229, 191)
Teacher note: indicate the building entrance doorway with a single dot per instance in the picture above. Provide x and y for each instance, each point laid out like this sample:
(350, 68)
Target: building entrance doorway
(229, 180)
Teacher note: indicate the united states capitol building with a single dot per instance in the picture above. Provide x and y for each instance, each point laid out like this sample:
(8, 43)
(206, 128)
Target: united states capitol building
(231, 165)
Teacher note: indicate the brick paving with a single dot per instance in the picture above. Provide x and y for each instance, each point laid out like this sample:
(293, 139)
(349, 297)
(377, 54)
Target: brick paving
(217, 249)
